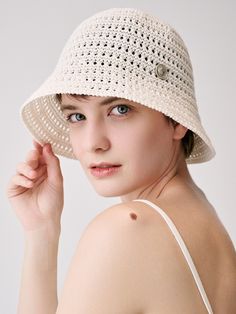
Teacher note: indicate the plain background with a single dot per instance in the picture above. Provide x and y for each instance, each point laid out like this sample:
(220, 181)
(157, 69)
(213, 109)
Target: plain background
(33, 34)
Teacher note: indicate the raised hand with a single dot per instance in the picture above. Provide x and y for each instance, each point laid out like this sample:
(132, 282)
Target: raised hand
(36, 191)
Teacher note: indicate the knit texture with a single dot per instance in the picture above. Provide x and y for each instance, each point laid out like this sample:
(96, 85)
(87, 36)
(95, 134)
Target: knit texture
(126, 53)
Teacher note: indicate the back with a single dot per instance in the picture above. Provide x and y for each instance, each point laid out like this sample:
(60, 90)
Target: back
(210, 248)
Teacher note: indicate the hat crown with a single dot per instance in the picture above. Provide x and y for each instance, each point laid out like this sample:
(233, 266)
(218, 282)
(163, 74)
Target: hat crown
(131, 45)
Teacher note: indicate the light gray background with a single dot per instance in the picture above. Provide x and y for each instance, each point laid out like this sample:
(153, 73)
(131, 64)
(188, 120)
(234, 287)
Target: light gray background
(33, 34)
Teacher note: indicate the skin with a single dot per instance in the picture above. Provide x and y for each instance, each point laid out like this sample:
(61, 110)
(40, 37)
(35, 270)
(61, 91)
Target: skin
(143, 142)
(153, 167)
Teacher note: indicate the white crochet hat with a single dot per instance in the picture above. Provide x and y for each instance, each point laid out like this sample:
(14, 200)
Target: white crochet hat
(125, 53)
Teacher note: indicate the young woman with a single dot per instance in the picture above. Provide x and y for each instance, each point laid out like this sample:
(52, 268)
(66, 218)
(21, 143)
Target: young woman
(121, 101)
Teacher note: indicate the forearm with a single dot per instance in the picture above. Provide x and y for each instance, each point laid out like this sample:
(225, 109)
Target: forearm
(38, 288)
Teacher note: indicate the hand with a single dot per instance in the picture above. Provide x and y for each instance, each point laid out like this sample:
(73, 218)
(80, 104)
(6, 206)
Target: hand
(36, 192)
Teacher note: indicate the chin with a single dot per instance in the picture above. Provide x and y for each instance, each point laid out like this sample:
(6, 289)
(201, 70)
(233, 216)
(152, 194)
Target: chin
(112, 189)
(107, 192)
(106, 189)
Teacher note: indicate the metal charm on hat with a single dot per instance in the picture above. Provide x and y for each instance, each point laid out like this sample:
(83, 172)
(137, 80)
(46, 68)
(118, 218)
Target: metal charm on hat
(161, 71)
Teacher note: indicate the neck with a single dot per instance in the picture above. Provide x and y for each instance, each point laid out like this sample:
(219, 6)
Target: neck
(175, 174)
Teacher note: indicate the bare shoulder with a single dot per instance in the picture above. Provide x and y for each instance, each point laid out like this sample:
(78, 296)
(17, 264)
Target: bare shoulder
(120, 210)
(127, 259)
(123, 260)
(119, 220)
(108, 268)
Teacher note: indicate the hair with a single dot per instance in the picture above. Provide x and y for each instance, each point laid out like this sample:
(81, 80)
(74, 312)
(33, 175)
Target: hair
(187, 141)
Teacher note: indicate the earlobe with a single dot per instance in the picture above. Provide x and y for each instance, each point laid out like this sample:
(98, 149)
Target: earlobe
(179, 131)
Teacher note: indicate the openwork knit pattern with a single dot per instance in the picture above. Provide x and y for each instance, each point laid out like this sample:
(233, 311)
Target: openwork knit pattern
(126, 53)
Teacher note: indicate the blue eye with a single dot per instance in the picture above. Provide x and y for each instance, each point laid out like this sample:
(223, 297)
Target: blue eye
(68, 117)
(122, 106)
(122, 112)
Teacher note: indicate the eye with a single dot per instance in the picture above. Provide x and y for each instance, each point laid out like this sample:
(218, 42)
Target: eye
(123, 109)
(76, 117)
(69, 117)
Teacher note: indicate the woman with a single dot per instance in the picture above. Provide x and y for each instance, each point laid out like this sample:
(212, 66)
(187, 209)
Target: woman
(121, 101)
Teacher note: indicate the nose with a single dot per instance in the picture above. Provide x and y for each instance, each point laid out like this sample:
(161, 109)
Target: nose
(96, 137)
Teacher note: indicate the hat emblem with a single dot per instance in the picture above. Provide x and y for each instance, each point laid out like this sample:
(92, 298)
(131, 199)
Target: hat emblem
(161, 71)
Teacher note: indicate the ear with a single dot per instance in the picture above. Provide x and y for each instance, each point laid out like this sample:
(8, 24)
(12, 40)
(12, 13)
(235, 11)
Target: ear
(179, 131)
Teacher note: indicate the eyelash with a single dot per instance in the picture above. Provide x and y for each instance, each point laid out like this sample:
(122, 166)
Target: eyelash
(68, 117)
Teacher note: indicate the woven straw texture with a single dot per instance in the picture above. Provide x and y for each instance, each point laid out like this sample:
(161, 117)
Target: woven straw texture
(126, 53)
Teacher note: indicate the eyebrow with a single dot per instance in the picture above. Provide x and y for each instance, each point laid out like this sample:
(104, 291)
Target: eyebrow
(102, 103)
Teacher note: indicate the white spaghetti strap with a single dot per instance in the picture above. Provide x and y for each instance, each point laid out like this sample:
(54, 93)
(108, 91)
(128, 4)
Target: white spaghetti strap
(185, 252)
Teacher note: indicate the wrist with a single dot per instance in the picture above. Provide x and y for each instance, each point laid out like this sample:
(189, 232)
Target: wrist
(41, 249)
(49, 232)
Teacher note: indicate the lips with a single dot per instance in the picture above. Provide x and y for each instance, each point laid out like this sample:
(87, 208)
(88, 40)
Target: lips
(103, 165)
(103, 172)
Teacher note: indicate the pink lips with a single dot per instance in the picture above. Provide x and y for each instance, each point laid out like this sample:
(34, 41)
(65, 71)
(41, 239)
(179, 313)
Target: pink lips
(103, 172)
(102, 164)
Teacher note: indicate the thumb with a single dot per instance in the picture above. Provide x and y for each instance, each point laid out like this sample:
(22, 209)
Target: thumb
(53, 164)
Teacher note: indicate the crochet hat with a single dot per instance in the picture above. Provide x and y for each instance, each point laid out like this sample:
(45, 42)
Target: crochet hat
(125, 53)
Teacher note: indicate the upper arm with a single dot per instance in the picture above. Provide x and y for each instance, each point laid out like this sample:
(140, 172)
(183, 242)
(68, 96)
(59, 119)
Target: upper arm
(104, 275)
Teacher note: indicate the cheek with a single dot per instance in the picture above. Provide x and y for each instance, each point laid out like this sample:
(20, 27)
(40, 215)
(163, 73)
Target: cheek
(144, 138)
(149, 147)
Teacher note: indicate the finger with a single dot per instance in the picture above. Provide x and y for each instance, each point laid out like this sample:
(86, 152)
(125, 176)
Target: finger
(30, 173)
(38, 146)
(32, 159)
(18, 183)
(25, 170)
(23, 181)
(39, 173)
(19, 180)
(53, 164)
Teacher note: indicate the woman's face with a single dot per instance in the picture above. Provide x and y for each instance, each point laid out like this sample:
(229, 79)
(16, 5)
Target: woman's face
(121, 132)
